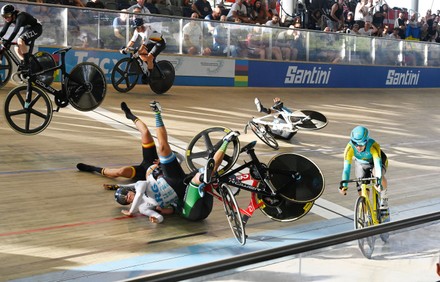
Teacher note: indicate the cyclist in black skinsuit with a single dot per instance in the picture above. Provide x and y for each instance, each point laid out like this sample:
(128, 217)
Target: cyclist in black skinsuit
(32, 29)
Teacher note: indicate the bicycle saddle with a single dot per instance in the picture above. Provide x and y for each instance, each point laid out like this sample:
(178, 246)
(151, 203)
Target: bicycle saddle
(63, 50)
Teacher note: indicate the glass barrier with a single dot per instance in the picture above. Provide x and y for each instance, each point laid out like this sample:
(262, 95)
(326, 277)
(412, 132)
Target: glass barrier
(404, 257)
(95, 28)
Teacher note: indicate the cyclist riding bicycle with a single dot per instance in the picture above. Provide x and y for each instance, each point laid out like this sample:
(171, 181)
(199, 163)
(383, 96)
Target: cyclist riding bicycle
(369, 158)
(152, 43)
(32, 29)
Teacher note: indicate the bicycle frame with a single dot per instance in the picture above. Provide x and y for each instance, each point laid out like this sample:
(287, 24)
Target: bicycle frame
(290, 126)
(57, 93)
(253, 205)
(372, 205)
(10, 54)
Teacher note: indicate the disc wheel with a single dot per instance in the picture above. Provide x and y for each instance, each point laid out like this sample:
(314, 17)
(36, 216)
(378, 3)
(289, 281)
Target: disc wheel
(296, 178)
(162, 77)
(204, 145)
(363, 219)
(309, 120)
(263, 132)
(86, 86)
(5, 69)
(125, 74)
(233, 214)
(29, 118)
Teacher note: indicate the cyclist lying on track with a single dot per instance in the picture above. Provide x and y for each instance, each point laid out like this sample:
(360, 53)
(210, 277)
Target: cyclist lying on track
(165, 177)
(152, 43)
(32, 29)
(367, 157)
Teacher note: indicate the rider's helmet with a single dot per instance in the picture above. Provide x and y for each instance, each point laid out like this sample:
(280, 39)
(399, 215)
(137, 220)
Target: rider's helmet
(7, 11)
(137, 22)
(121, 195)
(359, 135)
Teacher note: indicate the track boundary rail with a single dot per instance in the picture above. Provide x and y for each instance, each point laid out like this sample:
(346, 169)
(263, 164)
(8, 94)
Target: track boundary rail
(279, 252)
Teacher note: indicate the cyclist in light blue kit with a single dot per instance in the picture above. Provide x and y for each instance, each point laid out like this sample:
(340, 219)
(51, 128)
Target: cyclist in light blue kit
(368, 156)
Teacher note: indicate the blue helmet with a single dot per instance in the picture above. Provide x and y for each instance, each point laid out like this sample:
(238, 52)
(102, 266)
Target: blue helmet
(359, 136)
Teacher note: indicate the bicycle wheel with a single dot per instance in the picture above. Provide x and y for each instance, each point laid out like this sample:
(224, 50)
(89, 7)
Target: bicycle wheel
(296, 177)
(86, 86)
(125, 74)
(5, 69)
(233, 214)
(41, 61)
(162, 77)
(310, 120)
(363, 219)
(28, 119)
(204, 145)
(263, 132)
(280, 209)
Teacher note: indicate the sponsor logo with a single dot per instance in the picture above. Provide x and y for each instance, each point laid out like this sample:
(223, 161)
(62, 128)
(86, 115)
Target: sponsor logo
(212, 67)
(402, 78)
(317, 75)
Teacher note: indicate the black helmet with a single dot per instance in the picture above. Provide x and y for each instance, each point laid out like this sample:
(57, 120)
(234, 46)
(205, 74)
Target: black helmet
(7, 10)
(121, 195)
(138, 22)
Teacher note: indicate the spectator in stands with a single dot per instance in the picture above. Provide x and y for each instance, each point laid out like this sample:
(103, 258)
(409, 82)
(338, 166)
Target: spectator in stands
(395, 33)
(238, 11)
(400, 23)
(336, 19)
(379, 16)
(83, 39)
(272, 9)
(349, 20)
(258, 13)
(151, 7)
(361, 13)
(141, 5)
(220, 40)
(368, 30)
(286, 41)
(214, 16)
(354, 30)
(120, 25)
(275, 21)
(95, 4)
(192, 37)
(254, 44)
(202, 8)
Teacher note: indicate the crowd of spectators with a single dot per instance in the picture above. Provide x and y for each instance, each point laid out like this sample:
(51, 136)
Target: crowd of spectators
(357, 17)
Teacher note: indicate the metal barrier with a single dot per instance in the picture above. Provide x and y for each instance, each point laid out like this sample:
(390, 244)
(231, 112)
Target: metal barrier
(275, 253)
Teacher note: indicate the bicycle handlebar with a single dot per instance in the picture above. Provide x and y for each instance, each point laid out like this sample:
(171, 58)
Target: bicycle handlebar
(357, 180)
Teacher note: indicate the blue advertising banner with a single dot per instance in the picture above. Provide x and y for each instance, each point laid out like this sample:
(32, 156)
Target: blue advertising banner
(201, 71)
(339, 76)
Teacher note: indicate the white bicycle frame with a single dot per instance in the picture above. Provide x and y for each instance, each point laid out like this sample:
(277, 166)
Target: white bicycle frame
(285, 117)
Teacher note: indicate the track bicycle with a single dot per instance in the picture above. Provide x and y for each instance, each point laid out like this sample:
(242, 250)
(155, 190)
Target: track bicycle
(126, 72)
(38, 62)
(284, 190)
(367, 212)
(284, 124)
(28, 108)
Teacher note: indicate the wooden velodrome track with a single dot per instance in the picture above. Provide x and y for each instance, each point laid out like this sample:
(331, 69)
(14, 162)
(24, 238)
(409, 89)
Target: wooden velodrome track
(54, 218)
